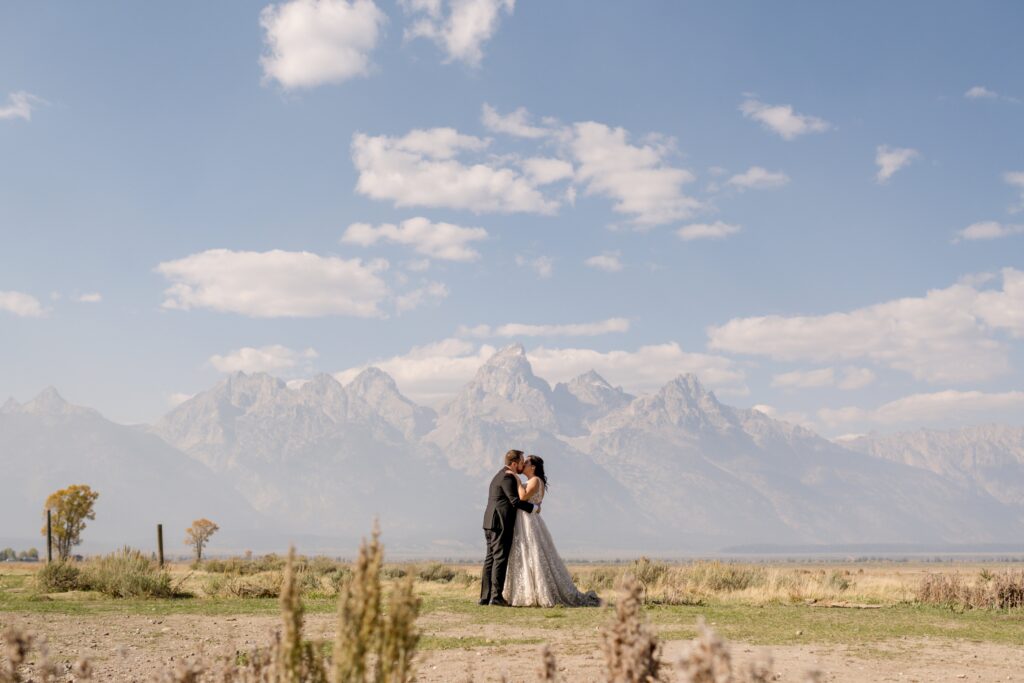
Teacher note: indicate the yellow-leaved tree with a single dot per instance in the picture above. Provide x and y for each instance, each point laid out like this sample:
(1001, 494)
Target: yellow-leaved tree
(69, 509)
(199, 534)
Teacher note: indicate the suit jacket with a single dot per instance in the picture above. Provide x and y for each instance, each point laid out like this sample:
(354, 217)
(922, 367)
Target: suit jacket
(503, 501)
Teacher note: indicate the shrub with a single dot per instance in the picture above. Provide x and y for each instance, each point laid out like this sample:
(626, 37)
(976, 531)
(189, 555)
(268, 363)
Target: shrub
(437, 572)
(647, 572)
(723, 577)
(991, 590)
(127, 573)
(393, 572)
(58, 577)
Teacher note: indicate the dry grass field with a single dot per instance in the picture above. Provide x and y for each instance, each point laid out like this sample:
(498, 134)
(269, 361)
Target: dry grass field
(851, 622)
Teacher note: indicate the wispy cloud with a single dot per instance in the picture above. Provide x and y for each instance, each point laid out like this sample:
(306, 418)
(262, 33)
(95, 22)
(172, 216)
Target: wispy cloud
(459, 27)
(516, 123)
(609, 261)
(21, 304)
(544, 266)
(988, 230)
(445, 241)
(19, 106)
(892, 159)
(611, 325)
(707, 231)
(274, 358)
(758, 178)
(782, 119)
(1015, 179)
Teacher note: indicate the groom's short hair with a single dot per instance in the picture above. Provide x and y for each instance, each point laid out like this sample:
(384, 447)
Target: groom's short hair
(513, 456)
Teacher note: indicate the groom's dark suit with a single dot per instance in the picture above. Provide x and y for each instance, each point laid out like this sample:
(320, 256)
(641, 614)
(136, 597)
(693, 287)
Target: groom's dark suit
(499, 523)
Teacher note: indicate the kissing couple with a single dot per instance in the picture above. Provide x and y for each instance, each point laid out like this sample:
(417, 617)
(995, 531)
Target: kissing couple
(521, 555)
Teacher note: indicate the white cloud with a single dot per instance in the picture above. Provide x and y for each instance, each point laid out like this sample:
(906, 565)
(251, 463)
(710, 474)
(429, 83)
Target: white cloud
(988, 230)
(19, 106)
(544, 266)
(781, 119)
(852, 378)
(435, 373)
(856, 378)
(420, 169)
(544, 171)
(644, 370)
(948, 335)
(1016, 179)
(758, 178)
(429, 293)
(21, 304)
(805, 379)
(272, 359)
(566, 330)
(90, 298)
(945, 408)
(274, 284)
(462, 30)
(701, 231)
(637, 178)
(516, 123)
(445, 241)
(797, 418)
(980, 92)
(313, 42)
(609, 262)
(892, 159)
(176, 399)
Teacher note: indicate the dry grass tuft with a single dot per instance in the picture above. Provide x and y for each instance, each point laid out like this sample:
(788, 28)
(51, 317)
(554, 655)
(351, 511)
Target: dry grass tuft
(989, 590)
(631, 649)
(18, 645)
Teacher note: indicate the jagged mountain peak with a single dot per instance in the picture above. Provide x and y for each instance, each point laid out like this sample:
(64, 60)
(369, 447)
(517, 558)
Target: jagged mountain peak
(372, 379)
(9, 406)
(590, 378)
(47, 402)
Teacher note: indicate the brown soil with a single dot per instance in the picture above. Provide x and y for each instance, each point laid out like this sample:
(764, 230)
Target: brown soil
(130, 648)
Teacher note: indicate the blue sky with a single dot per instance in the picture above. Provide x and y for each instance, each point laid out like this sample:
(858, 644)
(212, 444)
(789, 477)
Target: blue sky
(816, 207)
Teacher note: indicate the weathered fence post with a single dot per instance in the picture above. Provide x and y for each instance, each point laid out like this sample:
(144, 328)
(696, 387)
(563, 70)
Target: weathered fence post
(160, 543)
(49, 537)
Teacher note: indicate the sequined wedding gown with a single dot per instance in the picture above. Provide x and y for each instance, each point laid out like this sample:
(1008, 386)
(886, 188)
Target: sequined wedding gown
(537, 577)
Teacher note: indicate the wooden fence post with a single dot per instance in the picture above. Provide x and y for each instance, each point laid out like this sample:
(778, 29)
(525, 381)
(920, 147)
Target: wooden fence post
(160, 542)
(49, 537)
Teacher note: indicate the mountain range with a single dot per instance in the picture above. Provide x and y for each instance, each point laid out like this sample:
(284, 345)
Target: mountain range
(673, 473)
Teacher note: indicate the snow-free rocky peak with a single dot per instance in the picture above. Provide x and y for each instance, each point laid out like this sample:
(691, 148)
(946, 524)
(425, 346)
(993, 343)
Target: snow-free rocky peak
(506, 390)
(373, 392)
(47, 402)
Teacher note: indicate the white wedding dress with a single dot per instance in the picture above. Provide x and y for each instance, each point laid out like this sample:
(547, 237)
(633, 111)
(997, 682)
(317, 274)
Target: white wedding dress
(537, 577)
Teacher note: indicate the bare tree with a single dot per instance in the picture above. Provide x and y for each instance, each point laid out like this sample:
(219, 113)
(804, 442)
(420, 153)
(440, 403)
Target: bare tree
(198, 535)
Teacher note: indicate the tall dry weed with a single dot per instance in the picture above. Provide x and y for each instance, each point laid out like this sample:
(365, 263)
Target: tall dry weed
(632, 652)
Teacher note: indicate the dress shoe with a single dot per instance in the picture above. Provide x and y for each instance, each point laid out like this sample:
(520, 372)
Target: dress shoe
(484, 601)
(499, 602)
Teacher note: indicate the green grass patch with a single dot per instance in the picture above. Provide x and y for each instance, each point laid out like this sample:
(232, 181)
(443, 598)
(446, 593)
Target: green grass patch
(471, 642)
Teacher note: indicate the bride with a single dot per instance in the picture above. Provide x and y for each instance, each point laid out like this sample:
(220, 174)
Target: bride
(537, 577)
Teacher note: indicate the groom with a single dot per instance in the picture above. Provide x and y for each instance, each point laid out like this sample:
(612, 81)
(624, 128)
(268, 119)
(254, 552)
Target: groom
(499, 523)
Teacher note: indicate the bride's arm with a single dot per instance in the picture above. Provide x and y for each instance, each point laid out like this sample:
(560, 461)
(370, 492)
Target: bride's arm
(522, 491)
(530, 489)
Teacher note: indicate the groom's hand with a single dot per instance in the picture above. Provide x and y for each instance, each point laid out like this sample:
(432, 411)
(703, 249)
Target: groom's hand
(536, 509)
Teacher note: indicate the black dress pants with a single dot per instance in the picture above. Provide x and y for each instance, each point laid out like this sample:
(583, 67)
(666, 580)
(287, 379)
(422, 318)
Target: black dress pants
(499, 545)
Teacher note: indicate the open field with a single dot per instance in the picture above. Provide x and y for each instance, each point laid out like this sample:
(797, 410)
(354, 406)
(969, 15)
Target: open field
(853, 622)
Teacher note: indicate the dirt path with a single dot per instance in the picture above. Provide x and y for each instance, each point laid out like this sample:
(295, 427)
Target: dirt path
(129, 648)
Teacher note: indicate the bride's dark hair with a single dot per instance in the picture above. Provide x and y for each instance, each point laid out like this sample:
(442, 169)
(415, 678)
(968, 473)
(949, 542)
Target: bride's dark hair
(538, 468)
